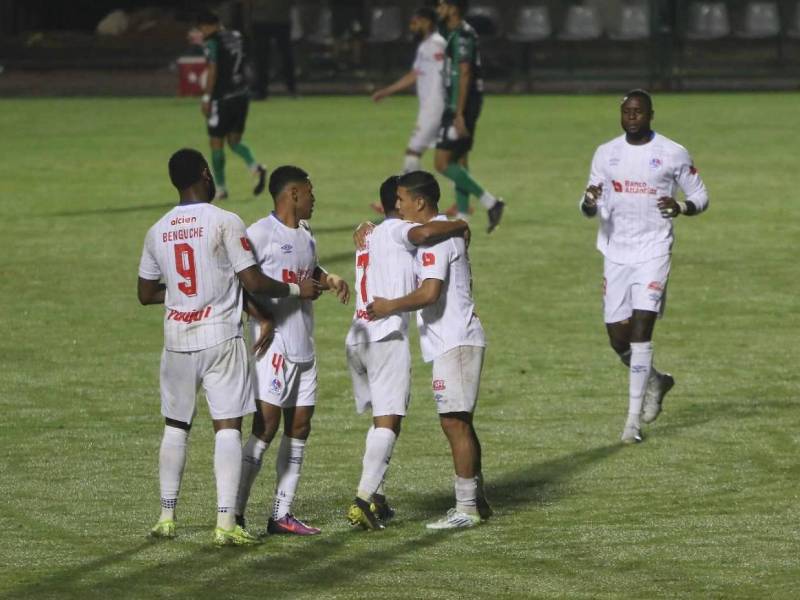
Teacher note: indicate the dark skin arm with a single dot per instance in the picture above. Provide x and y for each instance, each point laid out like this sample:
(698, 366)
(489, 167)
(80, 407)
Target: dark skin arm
(425, 295)
(151, 292)
(211, 80)
(434, 232)
(256, 283)
(266, 323)
(463, 89)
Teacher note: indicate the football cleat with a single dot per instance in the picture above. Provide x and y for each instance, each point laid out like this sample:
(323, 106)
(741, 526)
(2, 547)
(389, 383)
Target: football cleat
(241, 522)
(484, 510)
(631, 435)
(234, 537)
(654, 397)
(261, 173)
(164, 529)
(289, 524)
(495, 214)
(384, 512)
(455, 519)
(362, 514)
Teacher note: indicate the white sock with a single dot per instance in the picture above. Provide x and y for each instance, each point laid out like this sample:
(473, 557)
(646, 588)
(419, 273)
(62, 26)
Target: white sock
(287, 468)
(467, 494)
(641, 363)
(171, 461)
(462, 216)
(378, 452)
(487, 200)
(227, 469)
(411, 163)
(252, 453)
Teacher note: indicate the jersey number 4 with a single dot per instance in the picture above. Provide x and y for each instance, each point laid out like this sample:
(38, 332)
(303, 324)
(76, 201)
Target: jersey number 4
(184, 264)
(363, 262)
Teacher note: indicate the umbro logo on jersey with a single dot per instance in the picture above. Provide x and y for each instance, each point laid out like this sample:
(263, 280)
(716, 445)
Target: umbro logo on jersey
(287, 248)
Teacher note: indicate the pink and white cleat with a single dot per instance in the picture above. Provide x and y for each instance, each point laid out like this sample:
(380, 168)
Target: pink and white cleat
(289, 524)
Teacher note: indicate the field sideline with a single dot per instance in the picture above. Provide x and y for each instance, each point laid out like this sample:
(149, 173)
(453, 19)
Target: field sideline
(707, 507)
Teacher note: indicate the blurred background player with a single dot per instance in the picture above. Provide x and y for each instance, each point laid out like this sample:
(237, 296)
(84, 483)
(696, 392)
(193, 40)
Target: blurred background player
(450, 336)
(286, 369)
(377, 351)
(632, 184)
(270, 20)
(202, 254)
(225, 100)
(463, 100)
(426, 72)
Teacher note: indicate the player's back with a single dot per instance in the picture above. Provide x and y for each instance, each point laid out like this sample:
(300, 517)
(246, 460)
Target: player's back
(384, 268)
(197, 249)
(462, 45)
(429, 67)
(226, 49)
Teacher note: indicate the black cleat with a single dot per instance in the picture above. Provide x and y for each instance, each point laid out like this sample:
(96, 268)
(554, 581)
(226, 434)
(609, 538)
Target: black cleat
(262, 180)
(495, 214)
(362, 514)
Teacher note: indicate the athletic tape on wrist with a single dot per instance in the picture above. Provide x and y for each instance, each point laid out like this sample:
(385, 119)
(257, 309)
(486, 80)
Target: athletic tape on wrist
(294, 289)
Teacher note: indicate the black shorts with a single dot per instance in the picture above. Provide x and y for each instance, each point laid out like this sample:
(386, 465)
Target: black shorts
(227, 116)
(459, 146)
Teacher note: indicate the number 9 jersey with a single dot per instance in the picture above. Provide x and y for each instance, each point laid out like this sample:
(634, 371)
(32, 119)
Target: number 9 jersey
(196, 250)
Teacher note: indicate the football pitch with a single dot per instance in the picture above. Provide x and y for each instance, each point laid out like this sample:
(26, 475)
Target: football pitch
(707, 507)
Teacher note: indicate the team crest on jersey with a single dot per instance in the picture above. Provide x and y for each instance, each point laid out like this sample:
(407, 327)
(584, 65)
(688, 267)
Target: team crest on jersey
(428, 259)
(246, 244)
(287, 248)
(276, 386)
(438, 385)
(655, 163)
(655, 285)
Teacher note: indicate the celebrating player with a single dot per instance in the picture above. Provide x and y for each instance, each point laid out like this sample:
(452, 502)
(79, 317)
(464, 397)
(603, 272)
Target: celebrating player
(463, 100)
(377, 351)
(286, 373)
(225, 100)
(451, 336)
(202, 254)
(427, 74)
(631, 189)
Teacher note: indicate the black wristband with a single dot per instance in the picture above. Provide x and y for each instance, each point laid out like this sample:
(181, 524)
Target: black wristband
(691, 209)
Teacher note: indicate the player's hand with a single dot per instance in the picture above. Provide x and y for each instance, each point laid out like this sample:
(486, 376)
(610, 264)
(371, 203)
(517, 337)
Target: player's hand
(361, 233)
(265, 335)
(379, 308)
(310, 289)
(461, 126)
(205, 108)
(339, 287)
(467, 235)
(669, 207)
(592, 194)
(379, 95)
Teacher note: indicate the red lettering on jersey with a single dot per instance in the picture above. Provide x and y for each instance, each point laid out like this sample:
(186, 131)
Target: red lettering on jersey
(617, 186)
(191, 316)
(289, 276)
(428, 259)
(246, 244)
(277, 362)
(363, 262)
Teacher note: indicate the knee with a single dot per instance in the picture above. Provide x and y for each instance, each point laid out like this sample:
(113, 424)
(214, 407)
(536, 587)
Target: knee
(299, 431)
(454, 427)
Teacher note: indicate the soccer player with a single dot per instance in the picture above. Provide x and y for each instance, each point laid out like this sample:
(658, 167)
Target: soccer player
(225, 100)
(426, 72)
(202, 254)
(463, 100)
(286, 374)
(631, 189)
(451, 336)
(377, 351)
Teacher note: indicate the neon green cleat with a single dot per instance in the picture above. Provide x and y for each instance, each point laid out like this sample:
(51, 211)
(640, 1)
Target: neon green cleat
(363, 514)
(164, 529)
(234, 537)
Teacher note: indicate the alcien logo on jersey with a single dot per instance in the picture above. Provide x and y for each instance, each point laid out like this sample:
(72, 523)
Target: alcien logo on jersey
(633, 187)
(191, 316)
(183, 220)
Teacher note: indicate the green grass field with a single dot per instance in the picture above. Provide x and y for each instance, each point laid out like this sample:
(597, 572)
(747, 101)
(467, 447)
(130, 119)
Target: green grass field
(707, 507)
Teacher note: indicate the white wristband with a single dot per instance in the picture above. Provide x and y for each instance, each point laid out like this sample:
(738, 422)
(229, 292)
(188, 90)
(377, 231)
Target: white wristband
(294, 289)
(682, 207)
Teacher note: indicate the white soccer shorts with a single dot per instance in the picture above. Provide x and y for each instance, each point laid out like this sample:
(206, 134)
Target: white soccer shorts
(639, 286)
(456, 379)
(223, 371)
(381, 374)
(283, 383)
(425, 132)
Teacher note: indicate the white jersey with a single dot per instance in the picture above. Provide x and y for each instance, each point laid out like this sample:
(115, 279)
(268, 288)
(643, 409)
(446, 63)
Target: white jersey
(632, 229)
(289, 255)
(385, 268)
(197, 249)
(429, 66)
(450, 321)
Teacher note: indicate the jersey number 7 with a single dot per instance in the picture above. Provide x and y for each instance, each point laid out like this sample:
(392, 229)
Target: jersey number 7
(184, 264)
(363, 262)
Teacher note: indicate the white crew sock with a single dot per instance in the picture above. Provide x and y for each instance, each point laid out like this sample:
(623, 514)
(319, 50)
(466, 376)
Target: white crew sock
(287, 468)
(467, 494)
(171, 461)
(377, 454)
(462, 216)
(411, 163)
(252, 453)
(227, 469)
(641, 363)
(487, 200)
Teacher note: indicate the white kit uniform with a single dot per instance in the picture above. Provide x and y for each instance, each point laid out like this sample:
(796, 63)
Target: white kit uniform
(428, 65)
(197, 249)
(634, 238)
(377, 351)
(287, 374)
(450, 333)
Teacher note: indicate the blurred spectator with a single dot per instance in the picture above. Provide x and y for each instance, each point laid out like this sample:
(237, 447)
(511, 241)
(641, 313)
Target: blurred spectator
(270, 20)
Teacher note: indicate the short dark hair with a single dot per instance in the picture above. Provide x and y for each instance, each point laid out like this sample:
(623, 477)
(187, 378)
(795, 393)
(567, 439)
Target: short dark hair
(283, 176)
(426, 12)
(186, 168)
(461, 5)
(639, 93)
(206, 17)
(389, 194)
(421, 183)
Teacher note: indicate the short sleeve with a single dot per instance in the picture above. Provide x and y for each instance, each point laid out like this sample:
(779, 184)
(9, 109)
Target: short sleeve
(465, 46)
(237, 245)
(148, 266)
(210, 50)
(434, 262)
(400, 235)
